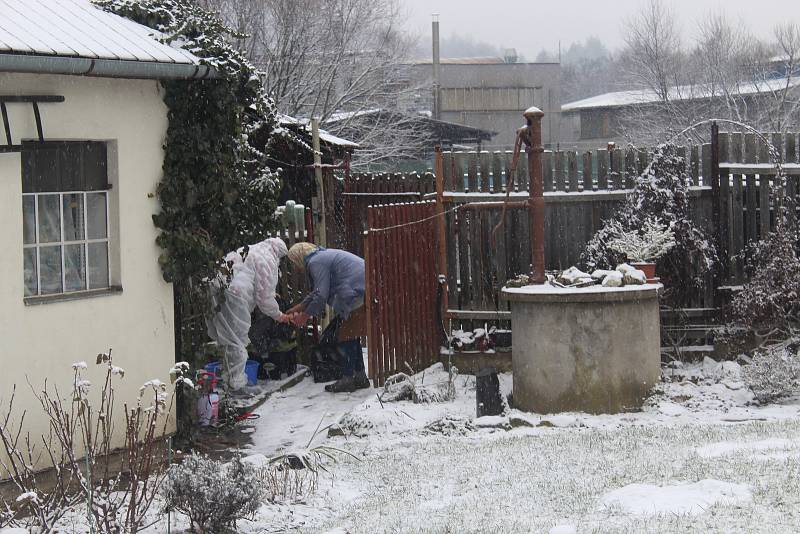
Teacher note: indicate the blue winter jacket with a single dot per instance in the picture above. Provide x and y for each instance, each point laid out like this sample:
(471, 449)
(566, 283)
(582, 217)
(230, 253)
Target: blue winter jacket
(337, 279)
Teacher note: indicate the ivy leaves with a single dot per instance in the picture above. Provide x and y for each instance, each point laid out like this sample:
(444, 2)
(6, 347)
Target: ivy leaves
(217, 191)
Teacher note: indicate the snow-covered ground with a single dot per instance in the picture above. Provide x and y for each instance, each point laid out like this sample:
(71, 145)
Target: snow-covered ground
(700, 457)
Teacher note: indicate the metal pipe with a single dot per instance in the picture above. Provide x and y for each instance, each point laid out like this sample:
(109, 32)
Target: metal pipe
(437, 112)
(533, 116)
(105, 68)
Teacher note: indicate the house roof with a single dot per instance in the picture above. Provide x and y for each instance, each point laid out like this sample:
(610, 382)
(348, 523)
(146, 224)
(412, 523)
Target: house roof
(35, 35)
(447, 128)
(678, 93)
(324, 137)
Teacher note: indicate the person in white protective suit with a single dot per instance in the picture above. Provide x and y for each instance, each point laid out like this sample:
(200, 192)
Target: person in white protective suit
(253, 284)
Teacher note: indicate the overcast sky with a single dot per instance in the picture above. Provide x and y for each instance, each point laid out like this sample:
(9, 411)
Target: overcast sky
(532, 25)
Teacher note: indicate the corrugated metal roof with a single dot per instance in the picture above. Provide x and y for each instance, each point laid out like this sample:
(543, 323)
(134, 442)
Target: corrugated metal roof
(77, 29)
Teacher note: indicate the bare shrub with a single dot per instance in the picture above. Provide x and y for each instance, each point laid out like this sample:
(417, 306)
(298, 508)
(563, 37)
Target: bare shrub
(774, 372)
(77, 462)
(212, 494)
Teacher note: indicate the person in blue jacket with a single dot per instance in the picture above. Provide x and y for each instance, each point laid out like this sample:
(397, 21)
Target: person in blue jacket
(336, 279)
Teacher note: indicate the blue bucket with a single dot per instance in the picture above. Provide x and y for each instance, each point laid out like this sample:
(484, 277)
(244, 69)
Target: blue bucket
(250, 369)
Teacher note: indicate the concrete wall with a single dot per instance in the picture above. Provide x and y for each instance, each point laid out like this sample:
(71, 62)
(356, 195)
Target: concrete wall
(493, 97)
(590, 351)
(42, 341)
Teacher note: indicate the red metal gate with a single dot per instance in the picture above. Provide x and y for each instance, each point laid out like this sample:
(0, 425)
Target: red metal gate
(401, 288)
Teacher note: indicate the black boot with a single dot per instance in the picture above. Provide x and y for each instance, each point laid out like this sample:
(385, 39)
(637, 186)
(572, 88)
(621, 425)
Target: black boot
(346, 384)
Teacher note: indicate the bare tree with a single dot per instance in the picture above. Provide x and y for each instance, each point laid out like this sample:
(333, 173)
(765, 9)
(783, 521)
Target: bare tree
(323, 58)
(728, 74)
(654, 49)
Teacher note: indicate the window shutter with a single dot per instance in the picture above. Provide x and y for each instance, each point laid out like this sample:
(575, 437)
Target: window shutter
(64, 166)
(95, 166)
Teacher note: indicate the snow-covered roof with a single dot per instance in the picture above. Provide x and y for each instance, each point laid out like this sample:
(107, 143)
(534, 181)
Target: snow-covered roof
(686, 92)
(78, 29)
(324, 136)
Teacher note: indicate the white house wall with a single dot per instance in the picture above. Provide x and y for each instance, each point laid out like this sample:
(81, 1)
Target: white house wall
(43, 340)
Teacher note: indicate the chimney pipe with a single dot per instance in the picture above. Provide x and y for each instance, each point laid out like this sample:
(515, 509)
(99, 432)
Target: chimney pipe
(436, 68)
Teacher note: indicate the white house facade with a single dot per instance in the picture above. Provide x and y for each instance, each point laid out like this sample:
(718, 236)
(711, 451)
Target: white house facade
(81, 155)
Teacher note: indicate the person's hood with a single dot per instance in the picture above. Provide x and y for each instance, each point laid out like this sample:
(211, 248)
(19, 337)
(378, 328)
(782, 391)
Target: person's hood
(278, 246)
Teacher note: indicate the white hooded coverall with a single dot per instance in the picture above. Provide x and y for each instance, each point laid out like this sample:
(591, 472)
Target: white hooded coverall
(253, 284)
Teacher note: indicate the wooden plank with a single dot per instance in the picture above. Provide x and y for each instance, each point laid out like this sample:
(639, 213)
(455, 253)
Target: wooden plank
(642, 161)
(472, 172)
(777, 145)
(479, 314)
(463, 259)
(790, 156)
(547, 170)
(522, 177)
(572, 170)
(630, 168)
(447, 168)
(485, 172)
(499, 254)
(790, 151)
(452, 259)
(764, 215)
(487, 270)
(601, 156)
(737, 240)
(560, 176)
(498, 183)
(704, 171)
(694, 165)
(475, 259)
(460, 165)
(617, 168)
(750, 192)
(588, 180)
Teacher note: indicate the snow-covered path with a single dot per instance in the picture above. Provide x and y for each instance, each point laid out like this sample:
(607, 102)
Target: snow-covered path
(288, 419)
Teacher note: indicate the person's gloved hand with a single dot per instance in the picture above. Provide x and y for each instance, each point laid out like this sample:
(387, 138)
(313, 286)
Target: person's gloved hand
(300, 318)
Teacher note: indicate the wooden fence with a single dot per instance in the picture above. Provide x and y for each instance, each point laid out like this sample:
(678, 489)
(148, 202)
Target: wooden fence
(582, 190)
(363, 190)
(746, 193)
(401, 289)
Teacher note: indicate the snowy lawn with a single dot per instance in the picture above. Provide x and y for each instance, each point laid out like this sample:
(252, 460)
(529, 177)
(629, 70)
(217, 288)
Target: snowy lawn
(700, 457)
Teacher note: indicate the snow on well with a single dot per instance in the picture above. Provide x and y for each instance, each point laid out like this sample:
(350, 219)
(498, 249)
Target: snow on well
(691, 499)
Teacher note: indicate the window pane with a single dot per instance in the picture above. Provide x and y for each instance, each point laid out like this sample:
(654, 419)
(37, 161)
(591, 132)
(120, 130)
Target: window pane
(29, 220)
(73, 217)
(50, 258)
(30, 272)
(74, 267)
(96, 215)
(49, 219)
(98, 265)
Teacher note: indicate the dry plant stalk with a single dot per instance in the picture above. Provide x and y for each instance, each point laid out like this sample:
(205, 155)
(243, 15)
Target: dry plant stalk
(117, 486)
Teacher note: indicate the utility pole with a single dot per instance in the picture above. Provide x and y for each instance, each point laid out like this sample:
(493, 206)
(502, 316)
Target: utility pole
(320, 207)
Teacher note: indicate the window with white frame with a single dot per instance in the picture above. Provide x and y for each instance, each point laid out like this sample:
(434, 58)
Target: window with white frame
(65, 218)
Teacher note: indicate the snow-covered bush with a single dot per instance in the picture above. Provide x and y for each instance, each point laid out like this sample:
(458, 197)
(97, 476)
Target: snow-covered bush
(647, 243)
(212, 494)
(774, 372)
(661, 193)
(768, 306)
